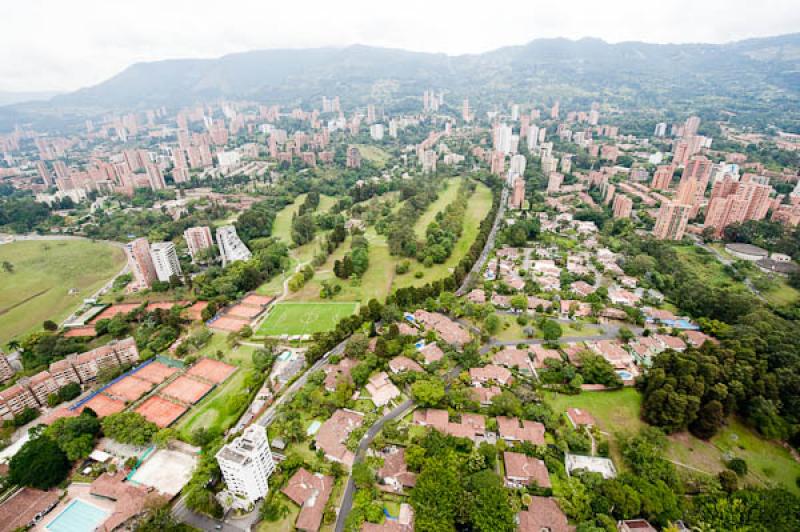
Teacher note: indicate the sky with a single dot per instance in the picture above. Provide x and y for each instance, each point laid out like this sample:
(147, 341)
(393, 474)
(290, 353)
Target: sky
(62, 45)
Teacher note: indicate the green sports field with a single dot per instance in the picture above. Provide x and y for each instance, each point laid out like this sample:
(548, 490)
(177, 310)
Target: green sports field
(42, 274)
(305, 318)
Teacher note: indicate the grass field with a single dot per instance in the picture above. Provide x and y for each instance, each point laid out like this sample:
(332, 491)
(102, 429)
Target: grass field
(374, 154)
(282, 226)
(511, 330)
(305, 318)
(43, 274)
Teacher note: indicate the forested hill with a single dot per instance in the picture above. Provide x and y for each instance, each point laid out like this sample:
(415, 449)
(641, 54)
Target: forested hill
(737, 76)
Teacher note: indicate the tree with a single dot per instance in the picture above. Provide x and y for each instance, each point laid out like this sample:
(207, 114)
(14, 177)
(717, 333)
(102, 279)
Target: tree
(728, 480)
(519, 302)
(551, 330)
(40, 463)
(69, 392)
(492, 323)
(8, 267)
(129, 427)
(506, 404)
(487, 504)
(428, 392)
(363, 476)
(437, 496)
(75, 435)
(709, 420)
(50, 325)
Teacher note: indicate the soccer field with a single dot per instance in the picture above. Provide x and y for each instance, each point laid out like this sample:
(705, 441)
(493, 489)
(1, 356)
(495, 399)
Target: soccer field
(305, 318)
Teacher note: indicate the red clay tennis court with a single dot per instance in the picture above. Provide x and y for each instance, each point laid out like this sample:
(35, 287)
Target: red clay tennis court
(155, 372)
(129, 388)
(211, 370)
(104, 405)
(243, 311)
(255, 299)
(160, 411)
(228, 323)
(187, 390)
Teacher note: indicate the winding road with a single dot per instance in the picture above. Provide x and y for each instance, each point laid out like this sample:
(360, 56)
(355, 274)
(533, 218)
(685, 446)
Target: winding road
(487, 248)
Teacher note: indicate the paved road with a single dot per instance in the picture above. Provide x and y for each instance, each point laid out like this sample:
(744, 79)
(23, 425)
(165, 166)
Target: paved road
(478, 266)
(349, 490)
(202, 522)
(269, 414)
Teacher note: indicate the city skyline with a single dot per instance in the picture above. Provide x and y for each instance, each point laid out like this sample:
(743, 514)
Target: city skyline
(92, 46)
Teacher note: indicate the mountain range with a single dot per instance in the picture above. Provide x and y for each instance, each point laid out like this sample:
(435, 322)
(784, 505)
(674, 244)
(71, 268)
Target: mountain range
(742, 75)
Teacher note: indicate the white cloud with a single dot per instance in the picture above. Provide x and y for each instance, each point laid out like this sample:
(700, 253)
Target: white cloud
(58, 44)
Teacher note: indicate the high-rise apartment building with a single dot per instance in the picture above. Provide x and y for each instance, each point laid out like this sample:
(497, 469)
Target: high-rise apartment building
(623, 206)
(197, 238)
(376, 131)
(231, 248)
(671, 221)
(518, 193)
(246, 463)
(554, 182)
(165, 260)
(733, 202)
(662, 177)
(517, 165)
(141, 264)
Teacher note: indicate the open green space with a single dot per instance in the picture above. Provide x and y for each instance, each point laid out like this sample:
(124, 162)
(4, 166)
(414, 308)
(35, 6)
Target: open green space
(480, 203)
(617, 412)
(446, 196)
(705, 266)
(214, 411)
(511, 330)
(43, 274)
(305, 318)
(374, 154)
(282, 226)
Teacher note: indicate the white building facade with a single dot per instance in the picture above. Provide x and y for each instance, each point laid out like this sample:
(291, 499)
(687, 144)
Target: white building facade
(231, 248)
(246, 463)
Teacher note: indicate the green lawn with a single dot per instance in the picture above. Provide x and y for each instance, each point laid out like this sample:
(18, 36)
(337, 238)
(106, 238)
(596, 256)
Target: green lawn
(305, 318)
(43, 274)
(446, 196)
(374, 154)
(282, 226)
(511, 330)
(212, 411)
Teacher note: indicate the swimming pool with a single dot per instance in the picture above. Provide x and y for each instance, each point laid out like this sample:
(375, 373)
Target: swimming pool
(286, 355)
(625, 375)
(78, 516)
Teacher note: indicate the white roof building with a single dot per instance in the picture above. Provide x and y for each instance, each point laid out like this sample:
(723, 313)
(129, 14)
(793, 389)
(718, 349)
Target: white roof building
(231, 248)
(247, 464)
(165, 260)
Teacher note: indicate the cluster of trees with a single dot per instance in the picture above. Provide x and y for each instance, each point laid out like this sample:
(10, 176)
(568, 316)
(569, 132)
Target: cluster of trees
(356, 262)
(23, 214)
(154, 331)
(300, 279)
(332, 240)
(256, 222)
(593, 369)
(45, 460)
(520, 233)
(399, 226)
(442, 234)
(223, 285)
(457, 486)
(41, 348)
(754, 372)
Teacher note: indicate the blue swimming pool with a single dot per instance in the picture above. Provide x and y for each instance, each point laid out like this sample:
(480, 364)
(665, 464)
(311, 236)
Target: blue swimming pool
(286, 355)
(625, 375)
(78, 516)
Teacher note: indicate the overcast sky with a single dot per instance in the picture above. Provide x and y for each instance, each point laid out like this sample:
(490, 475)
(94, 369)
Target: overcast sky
(67, 44)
